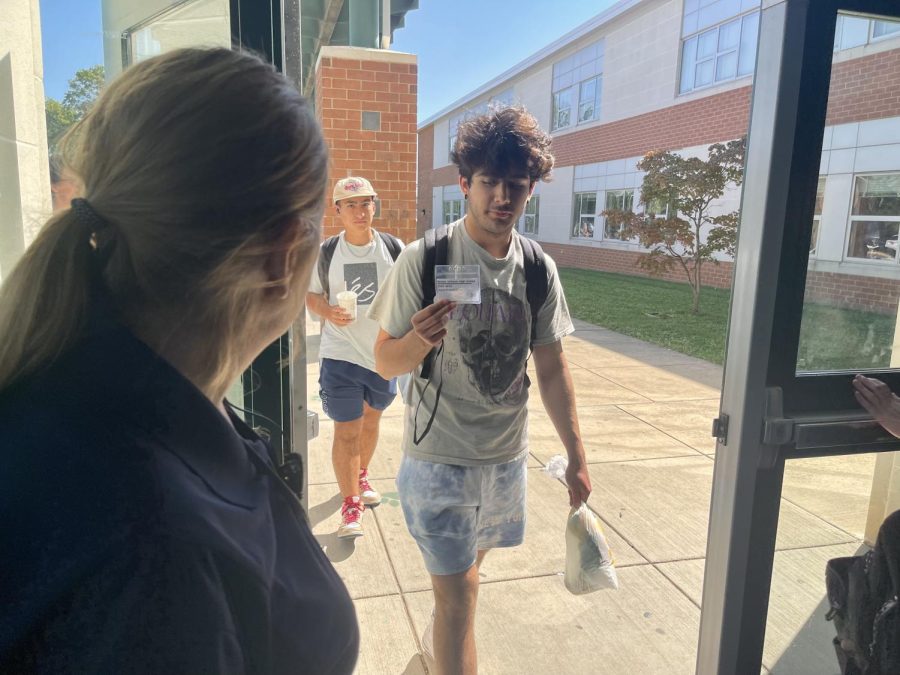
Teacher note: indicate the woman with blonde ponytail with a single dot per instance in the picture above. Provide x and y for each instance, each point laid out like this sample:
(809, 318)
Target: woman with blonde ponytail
(142, 525)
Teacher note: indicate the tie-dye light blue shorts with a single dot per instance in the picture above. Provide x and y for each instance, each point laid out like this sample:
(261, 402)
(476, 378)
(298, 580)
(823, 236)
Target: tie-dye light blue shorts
(454, 511)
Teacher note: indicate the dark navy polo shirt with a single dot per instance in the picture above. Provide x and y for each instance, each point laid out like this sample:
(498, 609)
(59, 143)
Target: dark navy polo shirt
(141, 532)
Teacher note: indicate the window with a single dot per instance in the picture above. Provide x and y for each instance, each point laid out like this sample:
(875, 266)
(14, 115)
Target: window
(885, 28)
(452, 210)
(855, 31)
(585, 215)
(658, 208)
(577, 81)
(817, 216)
(718, 43)
(371, 121)
(617, 200)
(529, 222)
(875, 217)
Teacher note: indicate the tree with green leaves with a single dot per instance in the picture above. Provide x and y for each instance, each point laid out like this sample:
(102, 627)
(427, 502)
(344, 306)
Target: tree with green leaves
(676, 223)
(83, 90)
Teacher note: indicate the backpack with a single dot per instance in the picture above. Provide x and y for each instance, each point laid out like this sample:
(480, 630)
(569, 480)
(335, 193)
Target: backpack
(437, 252)
(326, 253)
(862, 592)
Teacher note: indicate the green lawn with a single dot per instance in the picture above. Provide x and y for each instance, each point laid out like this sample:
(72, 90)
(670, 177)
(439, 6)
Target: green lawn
(660, 312)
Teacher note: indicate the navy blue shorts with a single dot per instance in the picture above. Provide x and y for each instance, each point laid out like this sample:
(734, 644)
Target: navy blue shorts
(343, 386)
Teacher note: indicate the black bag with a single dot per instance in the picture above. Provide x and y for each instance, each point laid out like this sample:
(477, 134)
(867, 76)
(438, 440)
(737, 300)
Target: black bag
(862, 592)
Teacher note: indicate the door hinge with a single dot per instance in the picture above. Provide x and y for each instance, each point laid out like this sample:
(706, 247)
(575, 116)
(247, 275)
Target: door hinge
(720, 429)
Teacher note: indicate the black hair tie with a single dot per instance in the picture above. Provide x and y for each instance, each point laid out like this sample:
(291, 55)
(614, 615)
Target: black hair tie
(100, 238)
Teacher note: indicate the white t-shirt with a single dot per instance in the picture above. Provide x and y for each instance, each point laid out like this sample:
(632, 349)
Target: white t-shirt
(482, 417)
(364, 268)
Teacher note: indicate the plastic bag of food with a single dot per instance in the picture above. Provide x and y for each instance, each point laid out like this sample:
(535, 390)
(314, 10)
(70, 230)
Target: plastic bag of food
(589, 564)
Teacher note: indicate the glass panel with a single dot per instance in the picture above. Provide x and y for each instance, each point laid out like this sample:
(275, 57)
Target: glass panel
(690, 23)
(688, 56)
(706, 45)
(873, 239)
(195, 24)
(823, 515)
(704, 73)
(854, 32)
(877, 195)
(726, 66)
(585, 211)
(749, 40)
(729, 35)
(853, 279)
(882, 28)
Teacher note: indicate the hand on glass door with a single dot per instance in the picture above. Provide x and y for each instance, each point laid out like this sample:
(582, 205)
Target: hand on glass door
(876, 397)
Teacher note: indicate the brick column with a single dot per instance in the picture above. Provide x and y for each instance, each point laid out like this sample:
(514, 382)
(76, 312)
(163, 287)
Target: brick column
(351, 81)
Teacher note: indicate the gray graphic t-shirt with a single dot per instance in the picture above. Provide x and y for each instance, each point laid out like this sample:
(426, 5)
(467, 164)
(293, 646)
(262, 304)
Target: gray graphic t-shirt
(361, 268)
(482, 416)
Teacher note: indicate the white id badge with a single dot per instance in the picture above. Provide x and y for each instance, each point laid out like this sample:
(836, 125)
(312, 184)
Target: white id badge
(459, 283)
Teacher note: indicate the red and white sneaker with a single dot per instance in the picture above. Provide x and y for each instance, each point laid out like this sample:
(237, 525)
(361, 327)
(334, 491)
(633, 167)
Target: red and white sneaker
(351, 518)
(369, 495)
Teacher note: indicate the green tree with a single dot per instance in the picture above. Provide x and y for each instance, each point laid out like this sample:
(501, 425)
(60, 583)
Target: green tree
(83, 90)
(676, 223)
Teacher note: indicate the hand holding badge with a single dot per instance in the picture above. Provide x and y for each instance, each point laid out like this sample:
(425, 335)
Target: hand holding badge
(459, 283)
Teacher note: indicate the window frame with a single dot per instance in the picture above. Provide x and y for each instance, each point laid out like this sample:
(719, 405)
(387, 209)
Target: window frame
(574, 90)
(817, 218)
(534, 203)
(851, 218)
(456, 209)
(613, 193)
(736, 50)
(578, 214)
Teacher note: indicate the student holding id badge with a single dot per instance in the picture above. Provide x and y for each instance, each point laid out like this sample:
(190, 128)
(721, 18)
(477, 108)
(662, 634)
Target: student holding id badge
(462, 310)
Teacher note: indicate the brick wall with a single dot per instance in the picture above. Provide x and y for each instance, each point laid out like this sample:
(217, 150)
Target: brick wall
(703, 121)
(865, 89)
(626, 262)
(345, 87)
(853, 291)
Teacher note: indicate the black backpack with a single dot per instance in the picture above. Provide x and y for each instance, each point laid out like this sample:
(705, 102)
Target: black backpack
(862, 592)
(326, 253)
(437, 253)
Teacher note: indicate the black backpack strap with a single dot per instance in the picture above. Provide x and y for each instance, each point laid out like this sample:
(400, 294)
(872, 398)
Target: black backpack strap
(326, 253)
(536, 281)
(436, 252)
(394, 246)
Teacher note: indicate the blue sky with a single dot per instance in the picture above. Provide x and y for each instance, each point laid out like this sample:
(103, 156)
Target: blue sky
(71, 38)
(461, 44)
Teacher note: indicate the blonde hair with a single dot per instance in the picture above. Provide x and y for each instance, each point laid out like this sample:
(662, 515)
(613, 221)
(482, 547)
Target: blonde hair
(200, 163)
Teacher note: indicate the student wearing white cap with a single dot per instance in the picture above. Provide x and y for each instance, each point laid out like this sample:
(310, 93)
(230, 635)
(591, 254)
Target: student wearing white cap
(353, 394)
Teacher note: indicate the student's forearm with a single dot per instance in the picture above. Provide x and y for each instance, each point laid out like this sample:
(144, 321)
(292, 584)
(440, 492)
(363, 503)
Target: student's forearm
(398, 356)
(558, 395)
(317, 304)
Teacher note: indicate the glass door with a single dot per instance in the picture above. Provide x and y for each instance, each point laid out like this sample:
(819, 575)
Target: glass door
(802, 472)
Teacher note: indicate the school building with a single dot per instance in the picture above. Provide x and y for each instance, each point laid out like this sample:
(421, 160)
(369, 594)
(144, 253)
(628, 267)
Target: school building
(677, 75)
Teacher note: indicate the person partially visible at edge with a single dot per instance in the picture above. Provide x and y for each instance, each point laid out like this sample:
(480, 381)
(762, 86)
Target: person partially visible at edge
(145, 529)
(352, 393)
(879, 401)
(463, 484)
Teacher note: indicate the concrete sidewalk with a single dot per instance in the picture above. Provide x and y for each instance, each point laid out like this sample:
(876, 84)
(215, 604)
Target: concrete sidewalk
(645, 414)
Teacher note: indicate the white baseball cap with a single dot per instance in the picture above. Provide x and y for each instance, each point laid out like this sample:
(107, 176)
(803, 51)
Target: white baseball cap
(353, 186)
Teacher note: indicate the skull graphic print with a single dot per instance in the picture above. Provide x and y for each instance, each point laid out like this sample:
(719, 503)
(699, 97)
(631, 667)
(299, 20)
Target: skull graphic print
(493, 343)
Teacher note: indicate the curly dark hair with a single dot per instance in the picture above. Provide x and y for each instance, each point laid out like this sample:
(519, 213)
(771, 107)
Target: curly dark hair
(502, 142)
